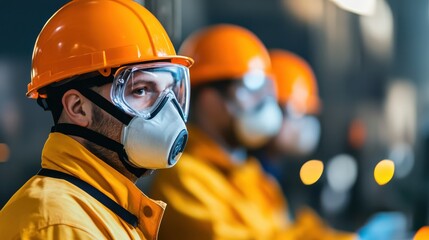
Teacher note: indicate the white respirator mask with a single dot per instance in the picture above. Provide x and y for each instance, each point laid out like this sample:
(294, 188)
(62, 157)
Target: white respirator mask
(299, 135)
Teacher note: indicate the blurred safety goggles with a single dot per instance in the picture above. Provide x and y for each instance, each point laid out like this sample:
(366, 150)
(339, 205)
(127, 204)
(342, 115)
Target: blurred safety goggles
(252, 91)
(141, 89)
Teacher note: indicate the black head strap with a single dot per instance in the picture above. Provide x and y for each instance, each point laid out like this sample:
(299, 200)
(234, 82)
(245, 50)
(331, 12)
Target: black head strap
(105, 105)
(99, 139)
(56, 91)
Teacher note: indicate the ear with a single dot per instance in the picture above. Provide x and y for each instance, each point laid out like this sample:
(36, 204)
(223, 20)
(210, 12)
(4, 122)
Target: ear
(76, 108)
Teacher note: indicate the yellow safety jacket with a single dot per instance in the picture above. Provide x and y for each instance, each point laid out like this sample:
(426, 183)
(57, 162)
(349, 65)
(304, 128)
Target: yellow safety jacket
(54, 208)
(211, 197)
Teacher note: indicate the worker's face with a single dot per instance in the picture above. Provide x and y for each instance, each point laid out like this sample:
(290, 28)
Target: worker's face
(140, 89)
(247, 94)
(156, 95)
(152, 100)
(256, 115)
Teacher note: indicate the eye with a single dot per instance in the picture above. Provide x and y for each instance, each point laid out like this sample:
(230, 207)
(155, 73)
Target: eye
(141, 91)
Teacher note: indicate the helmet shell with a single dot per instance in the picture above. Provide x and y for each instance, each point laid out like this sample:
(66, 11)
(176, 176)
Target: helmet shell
(224, 51)
(96, 35)
(295, 81)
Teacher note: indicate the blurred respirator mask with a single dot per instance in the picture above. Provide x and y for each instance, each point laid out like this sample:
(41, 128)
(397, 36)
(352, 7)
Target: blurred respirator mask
(152, 101)
(299, 134)
(255, 109)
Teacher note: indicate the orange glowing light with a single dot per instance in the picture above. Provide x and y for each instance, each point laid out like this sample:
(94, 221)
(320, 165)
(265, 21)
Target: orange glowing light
(422, 233)
(311, 171)
(383, 171)
(4, 152)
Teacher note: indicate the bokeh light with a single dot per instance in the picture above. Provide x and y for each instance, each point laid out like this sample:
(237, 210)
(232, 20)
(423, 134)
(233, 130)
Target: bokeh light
(4, 152)
(357, 133)
(422, 233)
(400, 112)
(308, 11)
(383, 171)
(333, 201)
(361, 7)
(402, 155)
(311, 171)
(378, 30)
(341, 172)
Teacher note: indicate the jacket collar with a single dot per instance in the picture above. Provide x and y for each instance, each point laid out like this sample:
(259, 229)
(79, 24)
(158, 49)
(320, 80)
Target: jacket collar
(202, 146)
(65, 154)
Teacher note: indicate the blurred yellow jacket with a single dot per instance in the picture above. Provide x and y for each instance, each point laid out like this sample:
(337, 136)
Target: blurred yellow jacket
(52, 208)
(211, 197)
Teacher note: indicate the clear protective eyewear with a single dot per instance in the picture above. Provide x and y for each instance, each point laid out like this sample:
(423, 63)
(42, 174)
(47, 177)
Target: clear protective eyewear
(252, 90)
(140, 89)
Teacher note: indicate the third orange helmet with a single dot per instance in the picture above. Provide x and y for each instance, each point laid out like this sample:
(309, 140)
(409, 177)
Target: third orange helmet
(295, 81)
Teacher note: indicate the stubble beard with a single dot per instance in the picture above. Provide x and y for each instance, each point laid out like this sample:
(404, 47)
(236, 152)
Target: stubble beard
(110, 127)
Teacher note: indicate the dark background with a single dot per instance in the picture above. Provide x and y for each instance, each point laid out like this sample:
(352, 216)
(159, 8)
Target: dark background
(354, 76)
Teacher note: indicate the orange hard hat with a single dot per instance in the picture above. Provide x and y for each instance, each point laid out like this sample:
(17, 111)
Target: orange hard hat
(295, 81)
(86, 36)
(224, 51)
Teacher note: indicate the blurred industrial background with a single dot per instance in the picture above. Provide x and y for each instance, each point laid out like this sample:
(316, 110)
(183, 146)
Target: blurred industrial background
(371, 60)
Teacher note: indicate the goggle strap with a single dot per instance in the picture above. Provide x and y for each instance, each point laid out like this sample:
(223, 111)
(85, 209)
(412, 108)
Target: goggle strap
(105, 105)
(99, 139)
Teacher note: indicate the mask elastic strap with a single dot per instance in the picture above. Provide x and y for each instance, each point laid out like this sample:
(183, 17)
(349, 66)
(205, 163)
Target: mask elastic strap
(99, 139)
(105, 105)
(122, 117)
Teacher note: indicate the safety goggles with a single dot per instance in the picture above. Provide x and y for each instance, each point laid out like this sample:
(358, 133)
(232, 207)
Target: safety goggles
(252, 90)
(140, 89)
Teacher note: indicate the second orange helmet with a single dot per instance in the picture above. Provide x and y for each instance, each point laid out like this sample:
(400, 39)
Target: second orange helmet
(224, 51)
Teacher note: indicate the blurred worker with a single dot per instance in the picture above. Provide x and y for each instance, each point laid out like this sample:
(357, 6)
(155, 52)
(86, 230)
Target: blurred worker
(218, 191)
(118, 93)
(298, 98)
(299, 136)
